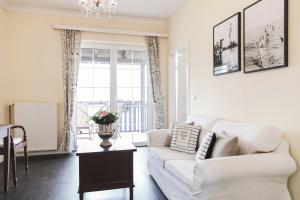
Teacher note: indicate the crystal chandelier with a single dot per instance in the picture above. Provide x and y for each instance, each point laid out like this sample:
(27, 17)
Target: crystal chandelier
(98, 7)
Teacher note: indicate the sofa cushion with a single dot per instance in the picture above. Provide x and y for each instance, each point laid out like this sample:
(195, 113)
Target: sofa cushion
(163, 154)
(182, 170)
(206, 123)
(226, 145)
(185, 138)
(207, 145)
(252, 137)
(171, 131)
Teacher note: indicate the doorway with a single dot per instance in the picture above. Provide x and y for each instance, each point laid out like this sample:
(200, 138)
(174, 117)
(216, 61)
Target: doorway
(179, 95)
(114, 78)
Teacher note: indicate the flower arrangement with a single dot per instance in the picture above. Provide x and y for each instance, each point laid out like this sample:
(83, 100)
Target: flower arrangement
(105, 118)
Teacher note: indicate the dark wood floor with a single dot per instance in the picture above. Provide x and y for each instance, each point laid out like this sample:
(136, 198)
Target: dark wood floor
(56, 178)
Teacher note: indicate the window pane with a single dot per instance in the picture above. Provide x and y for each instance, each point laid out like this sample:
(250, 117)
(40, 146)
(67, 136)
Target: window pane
(83, 116)
(102, 56)
(86, 55)
(124, 77)
(124, 94)
(101, 94)
(124, 56)
(136, 94)
(136, 78)
(146, 75)
(146, 95)
(135, 66)
(101, 77)
(139, 57)
(91, 110)
(124, 66)
(101, 106)
(85, 77)
(84, 94)
(102, 66)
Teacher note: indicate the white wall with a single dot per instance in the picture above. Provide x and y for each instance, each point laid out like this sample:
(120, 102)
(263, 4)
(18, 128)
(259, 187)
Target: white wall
(3, 72)
(270, 97)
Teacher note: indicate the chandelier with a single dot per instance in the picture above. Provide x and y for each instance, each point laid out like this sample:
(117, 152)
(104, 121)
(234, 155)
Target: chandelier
(98, 7)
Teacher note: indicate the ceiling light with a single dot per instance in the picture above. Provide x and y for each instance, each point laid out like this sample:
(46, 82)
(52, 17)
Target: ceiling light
(98, 7)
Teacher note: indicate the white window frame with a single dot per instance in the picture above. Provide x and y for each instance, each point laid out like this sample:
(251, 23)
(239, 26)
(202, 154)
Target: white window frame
(114, 47)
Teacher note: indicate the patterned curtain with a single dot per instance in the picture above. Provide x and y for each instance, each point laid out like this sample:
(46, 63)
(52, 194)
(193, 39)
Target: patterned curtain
(71, 58)
(155, 79)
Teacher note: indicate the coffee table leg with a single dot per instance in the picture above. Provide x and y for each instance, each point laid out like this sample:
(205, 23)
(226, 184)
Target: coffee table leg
(81, 195)
(131, 193)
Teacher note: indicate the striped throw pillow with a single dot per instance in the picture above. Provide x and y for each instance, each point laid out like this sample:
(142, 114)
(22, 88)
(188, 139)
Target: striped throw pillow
(185, 138)
(206, 147)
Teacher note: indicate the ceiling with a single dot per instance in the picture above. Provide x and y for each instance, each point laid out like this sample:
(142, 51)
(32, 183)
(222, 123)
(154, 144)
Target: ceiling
(162, 9)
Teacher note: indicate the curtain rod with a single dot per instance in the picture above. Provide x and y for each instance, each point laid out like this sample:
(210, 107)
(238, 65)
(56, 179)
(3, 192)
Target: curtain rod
(111, 31)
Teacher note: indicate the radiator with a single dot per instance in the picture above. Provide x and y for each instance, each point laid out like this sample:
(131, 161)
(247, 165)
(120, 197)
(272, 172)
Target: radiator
(40, 123)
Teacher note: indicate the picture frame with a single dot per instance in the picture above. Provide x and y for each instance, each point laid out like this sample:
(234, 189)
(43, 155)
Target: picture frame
(265, 39)
(227, 46)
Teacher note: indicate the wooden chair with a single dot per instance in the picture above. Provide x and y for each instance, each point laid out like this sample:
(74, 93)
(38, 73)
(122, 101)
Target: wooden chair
(83, 122)
(5, 150)
(15, 144)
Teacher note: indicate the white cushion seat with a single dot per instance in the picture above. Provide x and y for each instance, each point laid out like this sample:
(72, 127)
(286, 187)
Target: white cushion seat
(163, 154)
(16, 141)
(182, 170)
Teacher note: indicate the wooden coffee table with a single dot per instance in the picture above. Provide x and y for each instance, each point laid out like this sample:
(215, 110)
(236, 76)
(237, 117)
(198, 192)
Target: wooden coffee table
(105, 169)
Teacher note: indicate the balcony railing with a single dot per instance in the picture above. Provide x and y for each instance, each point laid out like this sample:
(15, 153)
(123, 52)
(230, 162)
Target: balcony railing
(133, 114)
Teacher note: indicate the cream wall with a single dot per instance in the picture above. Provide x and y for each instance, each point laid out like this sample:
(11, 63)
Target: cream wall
(270, 97)
(3, 75)
(34, 53)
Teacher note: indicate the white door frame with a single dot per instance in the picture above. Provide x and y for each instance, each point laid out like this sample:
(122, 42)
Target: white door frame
(114, 47)
(173, 93)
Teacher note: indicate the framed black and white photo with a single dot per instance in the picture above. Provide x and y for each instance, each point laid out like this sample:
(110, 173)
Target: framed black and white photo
(227, 45)
(266, 35)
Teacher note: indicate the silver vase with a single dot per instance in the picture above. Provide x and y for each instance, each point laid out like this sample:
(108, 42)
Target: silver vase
(105, 133)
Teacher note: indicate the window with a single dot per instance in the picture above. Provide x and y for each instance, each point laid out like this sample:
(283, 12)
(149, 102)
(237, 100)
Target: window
(114, 78)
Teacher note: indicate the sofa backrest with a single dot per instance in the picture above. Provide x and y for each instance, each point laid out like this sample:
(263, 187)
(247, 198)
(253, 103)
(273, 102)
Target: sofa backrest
(252, 137)
(206, 123)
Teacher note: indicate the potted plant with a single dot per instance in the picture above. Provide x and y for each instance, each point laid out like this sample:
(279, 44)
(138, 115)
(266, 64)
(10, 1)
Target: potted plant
(105, 120)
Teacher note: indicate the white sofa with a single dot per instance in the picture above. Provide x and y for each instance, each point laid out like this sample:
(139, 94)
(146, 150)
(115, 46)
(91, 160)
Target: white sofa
(248, 176)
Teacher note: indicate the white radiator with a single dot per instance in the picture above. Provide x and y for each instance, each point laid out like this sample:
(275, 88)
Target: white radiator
(40, 123)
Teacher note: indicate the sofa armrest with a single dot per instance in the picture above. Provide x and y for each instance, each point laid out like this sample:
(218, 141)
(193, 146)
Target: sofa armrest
(159, 137)
(237, 168)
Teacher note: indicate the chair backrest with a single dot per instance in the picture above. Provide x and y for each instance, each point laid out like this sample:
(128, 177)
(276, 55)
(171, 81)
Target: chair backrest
(83, 117)
(5, 130)
(252, 137)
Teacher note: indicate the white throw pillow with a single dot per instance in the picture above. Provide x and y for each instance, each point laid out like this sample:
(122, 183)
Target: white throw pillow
(185, 138)
(171, 131)
(226, 145)
(206, 147)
